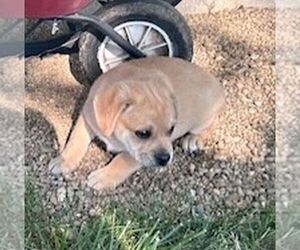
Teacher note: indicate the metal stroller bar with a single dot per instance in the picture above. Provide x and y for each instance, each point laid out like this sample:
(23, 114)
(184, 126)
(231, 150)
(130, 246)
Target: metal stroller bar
(107, 30)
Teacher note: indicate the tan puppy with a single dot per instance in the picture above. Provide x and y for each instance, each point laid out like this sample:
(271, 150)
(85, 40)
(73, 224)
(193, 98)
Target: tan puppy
(138, 109)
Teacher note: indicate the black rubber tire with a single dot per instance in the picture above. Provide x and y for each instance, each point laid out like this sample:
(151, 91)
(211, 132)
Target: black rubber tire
(173, 2)
(155, 11)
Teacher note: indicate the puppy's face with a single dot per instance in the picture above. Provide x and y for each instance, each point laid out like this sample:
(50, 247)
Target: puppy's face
(145, 121)
(145, 130)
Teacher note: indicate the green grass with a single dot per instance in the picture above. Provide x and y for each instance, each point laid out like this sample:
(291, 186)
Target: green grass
(133, 230)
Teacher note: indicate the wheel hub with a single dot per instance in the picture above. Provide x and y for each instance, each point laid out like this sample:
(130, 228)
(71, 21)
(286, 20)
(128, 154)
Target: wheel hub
(146, 36)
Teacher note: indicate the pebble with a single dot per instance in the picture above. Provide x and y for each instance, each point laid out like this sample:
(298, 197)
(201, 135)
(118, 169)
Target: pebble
(61, 194)
(53, 199)
(70, 193)
(193, 193)
(192, 168)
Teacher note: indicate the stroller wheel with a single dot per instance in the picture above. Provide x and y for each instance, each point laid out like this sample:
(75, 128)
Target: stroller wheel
(153, 26)
(146, 36)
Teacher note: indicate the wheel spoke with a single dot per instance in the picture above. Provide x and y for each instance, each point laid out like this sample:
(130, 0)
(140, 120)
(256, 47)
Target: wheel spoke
(117, 59)
(128, 34)
(144, 37)
(157, 46)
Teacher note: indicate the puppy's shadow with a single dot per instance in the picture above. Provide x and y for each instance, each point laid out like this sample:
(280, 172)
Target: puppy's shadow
(41, 142)
(80, 100)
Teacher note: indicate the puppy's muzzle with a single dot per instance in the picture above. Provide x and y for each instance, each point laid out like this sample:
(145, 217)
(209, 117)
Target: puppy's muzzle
(162, 158)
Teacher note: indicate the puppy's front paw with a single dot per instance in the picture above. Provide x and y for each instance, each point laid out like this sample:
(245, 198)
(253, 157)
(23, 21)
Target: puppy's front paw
(58, 165)
(101, 179)
(192, 143)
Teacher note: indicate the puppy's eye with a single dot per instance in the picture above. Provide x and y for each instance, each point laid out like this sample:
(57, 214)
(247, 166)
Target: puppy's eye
(143, 134)
(171, 130)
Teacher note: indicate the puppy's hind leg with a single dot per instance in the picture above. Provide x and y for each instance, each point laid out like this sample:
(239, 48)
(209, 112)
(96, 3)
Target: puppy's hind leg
(116, 172)
(75, 149)
(194, 141)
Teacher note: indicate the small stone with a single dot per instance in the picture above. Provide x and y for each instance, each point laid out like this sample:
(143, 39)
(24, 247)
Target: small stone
(61, 194)
(220, 157)
(236, 139)
(200, 191)
(53, 199)
(193, 193)
(192, 168)
(221, 144)
(70, 193)
(92, 212)
(258, 103)
(216, 191)
(254, 56)
(252, 111)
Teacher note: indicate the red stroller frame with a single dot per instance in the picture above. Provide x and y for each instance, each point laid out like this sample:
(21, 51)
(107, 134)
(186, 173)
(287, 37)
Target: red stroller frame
(67, 10)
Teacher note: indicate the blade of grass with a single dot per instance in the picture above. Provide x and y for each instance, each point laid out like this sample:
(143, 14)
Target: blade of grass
(111, 245)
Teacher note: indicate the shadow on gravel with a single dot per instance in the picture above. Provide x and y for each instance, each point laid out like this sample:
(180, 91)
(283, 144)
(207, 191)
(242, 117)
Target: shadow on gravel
(41, 142)
(76, 112)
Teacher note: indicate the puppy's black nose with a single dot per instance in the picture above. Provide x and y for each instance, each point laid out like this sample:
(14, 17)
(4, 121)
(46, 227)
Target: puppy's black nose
(162, 158)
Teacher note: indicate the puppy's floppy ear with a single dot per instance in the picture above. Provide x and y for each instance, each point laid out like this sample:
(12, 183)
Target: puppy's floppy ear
(109, 104)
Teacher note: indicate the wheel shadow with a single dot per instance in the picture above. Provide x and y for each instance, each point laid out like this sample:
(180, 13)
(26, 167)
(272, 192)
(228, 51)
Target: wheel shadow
(77, 70)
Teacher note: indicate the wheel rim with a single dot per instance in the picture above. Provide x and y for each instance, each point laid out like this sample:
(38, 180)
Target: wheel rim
(146, 36)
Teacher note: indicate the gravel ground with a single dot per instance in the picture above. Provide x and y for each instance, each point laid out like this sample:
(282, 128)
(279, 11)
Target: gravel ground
(235, 171)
